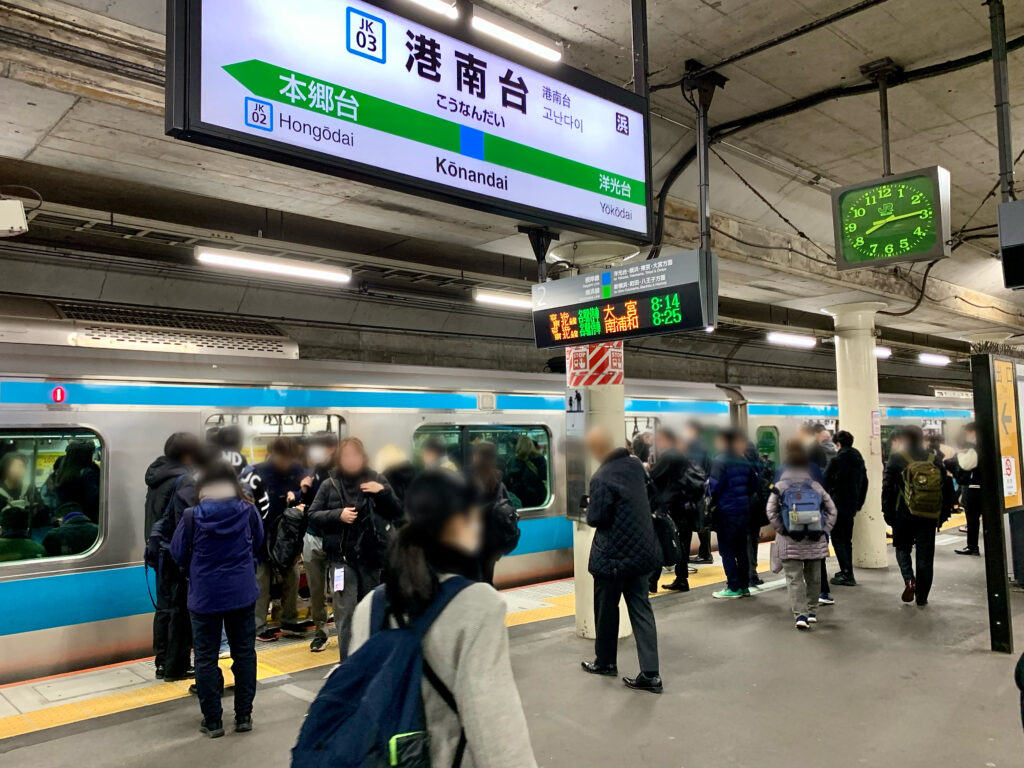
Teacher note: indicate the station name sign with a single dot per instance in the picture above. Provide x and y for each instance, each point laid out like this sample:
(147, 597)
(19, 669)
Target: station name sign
(642, 299)
(372, 92)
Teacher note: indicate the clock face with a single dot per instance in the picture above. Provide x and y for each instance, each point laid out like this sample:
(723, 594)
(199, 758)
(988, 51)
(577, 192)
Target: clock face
(889, 219)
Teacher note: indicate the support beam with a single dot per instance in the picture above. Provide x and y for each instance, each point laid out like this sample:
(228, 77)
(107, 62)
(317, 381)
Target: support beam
(1000, 74)
(540, 241)
(883, 72)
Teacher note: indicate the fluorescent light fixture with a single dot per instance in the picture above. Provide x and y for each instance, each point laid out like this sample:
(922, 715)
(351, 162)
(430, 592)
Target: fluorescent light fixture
(883, 353)
(792, 340)
(502, 299)
(439, 6)
(496, 26)
(285, 268)
(927, 358)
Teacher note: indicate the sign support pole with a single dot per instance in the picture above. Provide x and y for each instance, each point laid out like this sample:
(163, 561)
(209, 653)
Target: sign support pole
(540, 241)
(699, 90)
(991, 406)
(883, 72)
(1000, 72)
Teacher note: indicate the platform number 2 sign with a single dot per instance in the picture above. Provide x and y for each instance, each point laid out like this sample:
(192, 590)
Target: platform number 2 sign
(367, 35)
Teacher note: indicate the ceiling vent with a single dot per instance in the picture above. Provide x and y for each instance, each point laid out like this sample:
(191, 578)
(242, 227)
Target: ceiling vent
(103, 326)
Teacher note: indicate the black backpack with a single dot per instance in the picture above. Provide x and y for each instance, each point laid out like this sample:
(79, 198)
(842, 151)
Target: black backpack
(286, 538)
(668, 537)
(503, 526)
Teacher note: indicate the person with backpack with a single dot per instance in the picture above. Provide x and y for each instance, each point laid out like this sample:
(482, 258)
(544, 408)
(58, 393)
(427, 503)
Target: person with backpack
(846, 480)
(697, 455)
(430, 674)
(802, 514)
(679, 489)
(171, 490)
(917, 496)
(216, 544)
(623, 555)
(501, 519)
(353, 511)
(731, 486)
(281, 475)
(321, 458)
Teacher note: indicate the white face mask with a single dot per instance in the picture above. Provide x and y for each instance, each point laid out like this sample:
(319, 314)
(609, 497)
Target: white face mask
(218, 491)
(317, 455)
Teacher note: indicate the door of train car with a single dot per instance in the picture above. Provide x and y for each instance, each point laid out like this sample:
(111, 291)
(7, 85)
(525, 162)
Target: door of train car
(529, 456)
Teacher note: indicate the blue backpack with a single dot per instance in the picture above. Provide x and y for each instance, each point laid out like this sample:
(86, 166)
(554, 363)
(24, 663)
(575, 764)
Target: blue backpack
(801, 510)
(369, 714)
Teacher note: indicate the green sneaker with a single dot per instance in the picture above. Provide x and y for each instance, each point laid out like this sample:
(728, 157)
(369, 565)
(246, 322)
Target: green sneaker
(727, 594)
(744, 593)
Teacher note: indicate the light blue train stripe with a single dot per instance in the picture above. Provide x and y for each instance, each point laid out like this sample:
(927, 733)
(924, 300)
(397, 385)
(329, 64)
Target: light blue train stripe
(34, 604)
(824, 411)
(85, 393)
(530, 403)
(928, 413)
(677, 406)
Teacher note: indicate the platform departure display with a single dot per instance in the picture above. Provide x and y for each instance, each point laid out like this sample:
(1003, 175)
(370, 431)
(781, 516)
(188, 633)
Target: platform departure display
(614, 304)
(365, 90)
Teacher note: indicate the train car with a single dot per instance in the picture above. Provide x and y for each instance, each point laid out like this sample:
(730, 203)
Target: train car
(94, 402)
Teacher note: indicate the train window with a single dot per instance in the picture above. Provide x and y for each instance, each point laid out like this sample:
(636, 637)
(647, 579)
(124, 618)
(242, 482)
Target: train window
(50, 493)
(256, 431)
(767, 439)
(524, 455)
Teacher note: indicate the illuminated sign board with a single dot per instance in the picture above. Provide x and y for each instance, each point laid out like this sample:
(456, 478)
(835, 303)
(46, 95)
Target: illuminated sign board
(642, 299)
(394, 96)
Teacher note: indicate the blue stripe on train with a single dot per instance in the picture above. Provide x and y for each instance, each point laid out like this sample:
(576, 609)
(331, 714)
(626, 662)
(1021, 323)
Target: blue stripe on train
(34, 604)
(84, 393)
(30, 605)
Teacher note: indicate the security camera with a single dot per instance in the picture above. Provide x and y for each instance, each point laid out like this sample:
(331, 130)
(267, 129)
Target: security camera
(12, 218)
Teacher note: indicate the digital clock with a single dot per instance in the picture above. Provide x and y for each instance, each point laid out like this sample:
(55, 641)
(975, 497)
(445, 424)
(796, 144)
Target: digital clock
(896, 218)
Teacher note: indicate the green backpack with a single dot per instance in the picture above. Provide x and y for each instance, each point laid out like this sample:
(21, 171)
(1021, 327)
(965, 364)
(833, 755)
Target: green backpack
(922, 488)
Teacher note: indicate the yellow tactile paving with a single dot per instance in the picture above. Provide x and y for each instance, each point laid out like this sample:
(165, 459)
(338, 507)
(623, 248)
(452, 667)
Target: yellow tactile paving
(289, 659)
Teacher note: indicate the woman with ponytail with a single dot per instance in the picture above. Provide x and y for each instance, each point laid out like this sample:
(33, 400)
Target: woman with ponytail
(467, 646)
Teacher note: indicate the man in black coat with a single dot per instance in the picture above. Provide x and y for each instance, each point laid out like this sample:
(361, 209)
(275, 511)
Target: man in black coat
(846, 480)
(624, 554)
(167, 479)
(680, 488)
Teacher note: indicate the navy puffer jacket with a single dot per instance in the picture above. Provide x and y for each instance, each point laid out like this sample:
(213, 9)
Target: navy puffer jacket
(733, 483)
(620, 509)
(216, 544)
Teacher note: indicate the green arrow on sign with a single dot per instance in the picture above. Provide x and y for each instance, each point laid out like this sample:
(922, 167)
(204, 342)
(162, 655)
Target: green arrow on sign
(332, 100)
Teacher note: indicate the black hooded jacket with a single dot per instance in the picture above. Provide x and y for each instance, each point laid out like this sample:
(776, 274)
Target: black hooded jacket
(846, 480)
(625, 544)
(357, 543)
(161, 477)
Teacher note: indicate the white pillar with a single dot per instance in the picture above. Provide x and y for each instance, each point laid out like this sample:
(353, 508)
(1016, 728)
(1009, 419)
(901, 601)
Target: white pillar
(605, 408)
(857, 382)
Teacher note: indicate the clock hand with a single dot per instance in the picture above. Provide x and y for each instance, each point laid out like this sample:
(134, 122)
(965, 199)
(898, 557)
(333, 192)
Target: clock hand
(879, 224)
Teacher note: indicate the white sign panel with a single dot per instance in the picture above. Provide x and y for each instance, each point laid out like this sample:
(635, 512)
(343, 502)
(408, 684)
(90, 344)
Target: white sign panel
(1009, 476)
(408, 106)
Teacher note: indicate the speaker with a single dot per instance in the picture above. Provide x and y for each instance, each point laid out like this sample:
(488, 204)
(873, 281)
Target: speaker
(1011, 242)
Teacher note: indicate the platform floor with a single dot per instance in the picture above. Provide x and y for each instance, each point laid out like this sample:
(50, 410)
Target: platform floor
(877, 683)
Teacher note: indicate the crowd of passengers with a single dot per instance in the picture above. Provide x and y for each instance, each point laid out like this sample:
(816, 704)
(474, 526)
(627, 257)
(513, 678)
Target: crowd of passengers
(58, 518)
(423, 540)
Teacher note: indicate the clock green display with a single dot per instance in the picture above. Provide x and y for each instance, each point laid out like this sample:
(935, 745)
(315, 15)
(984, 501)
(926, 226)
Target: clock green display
(889, 219)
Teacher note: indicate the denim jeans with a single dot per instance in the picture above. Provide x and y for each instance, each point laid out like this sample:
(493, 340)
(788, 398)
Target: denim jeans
(240, 626)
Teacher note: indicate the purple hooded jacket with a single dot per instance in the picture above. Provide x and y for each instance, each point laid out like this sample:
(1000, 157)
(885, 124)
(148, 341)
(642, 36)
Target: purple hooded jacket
(216, 544)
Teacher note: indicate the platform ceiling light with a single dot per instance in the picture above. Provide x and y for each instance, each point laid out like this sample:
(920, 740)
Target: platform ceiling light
(927, 358)
(497, 26)
(792, 340)
(438, 6)
(286, 268)
(883, 353)
(502, 299)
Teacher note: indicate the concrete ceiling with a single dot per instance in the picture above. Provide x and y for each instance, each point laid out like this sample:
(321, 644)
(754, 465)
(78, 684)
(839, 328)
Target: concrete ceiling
(111, 128)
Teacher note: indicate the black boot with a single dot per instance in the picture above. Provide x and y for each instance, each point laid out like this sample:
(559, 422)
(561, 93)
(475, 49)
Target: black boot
(968, 551)
(679, 585)
(644, 682)
(213, 728)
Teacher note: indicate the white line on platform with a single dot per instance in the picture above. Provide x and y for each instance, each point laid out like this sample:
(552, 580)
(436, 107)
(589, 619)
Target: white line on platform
(298, 692)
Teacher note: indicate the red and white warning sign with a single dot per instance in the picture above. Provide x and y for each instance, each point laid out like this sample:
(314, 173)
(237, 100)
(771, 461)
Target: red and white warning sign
(595, 364)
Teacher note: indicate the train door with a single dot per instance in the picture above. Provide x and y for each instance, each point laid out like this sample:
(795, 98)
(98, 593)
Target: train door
(768, 447)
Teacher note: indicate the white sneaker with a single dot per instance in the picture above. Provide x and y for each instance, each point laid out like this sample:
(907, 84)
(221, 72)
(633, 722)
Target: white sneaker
(801, 622)
(812, 619)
